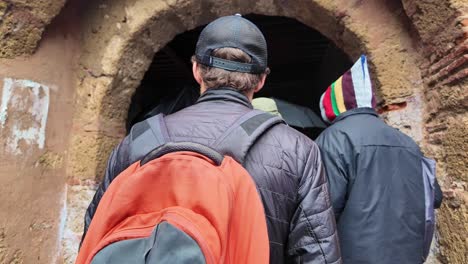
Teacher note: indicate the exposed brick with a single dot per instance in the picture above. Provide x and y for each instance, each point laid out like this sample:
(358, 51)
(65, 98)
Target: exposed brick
(463, 20)
(392, 107)
(444, 72)
(456, 77)
(459, 50)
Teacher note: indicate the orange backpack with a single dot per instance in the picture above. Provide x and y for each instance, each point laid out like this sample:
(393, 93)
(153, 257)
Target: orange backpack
(184, 203)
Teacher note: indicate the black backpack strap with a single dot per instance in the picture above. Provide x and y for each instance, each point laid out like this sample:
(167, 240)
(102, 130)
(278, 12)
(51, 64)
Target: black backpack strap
(171, 147)
(242, 134)
(146, 136)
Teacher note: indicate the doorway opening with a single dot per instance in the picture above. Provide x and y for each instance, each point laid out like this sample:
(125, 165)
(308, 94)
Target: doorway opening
(303, 63)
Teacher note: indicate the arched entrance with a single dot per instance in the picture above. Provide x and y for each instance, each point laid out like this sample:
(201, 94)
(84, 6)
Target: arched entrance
(122, 37)
(303, 63)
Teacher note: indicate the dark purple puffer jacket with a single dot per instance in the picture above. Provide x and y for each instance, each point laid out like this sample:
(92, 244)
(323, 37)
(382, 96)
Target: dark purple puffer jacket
(285, 165)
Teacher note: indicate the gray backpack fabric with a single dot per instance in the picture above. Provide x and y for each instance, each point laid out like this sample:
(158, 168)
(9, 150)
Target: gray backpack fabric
(150, 140)
(235, 142)
(166, 245)
(429, 177)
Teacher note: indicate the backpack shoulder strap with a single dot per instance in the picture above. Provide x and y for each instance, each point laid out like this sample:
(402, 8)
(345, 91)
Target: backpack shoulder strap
(146, 136)
(242, 134)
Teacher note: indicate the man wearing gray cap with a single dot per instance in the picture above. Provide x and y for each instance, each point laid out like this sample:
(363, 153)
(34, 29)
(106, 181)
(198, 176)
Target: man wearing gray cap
(230, 64)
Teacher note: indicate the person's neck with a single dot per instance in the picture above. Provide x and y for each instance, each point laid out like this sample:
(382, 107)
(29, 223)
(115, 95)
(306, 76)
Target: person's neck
(248, 95)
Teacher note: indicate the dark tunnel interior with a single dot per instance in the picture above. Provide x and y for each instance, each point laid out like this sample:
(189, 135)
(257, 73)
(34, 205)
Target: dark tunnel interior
(303, 63)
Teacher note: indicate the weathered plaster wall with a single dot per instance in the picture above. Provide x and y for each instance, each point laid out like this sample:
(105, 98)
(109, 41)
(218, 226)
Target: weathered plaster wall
(45, 191)
(22, 23)
(443, 28)
(36, 106)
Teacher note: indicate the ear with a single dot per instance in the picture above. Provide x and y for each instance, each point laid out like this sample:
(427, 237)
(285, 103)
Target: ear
(196, 73)
(260, 84)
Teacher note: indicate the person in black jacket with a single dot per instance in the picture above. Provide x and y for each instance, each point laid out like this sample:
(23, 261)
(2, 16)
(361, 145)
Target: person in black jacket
(230, 65)
(381, 185)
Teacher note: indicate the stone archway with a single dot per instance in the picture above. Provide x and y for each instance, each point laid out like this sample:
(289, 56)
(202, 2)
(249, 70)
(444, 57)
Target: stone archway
(121, 37)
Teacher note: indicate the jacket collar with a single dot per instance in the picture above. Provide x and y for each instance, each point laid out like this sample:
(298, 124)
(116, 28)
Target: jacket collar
(356, 111)
(225, 94)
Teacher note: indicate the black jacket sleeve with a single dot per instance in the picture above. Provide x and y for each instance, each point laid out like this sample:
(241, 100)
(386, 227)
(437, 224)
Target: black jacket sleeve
(133, 147)
(118, 161)
(313, 237)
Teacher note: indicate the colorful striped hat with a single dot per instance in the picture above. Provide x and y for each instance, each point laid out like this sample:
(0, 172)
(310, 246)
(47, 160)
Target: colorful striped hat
(352, 90)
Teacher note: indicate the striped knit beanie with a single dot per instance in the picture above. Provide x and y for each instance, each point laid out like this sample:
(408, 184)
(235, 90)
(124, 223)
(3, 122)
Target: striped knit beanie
(352, 90)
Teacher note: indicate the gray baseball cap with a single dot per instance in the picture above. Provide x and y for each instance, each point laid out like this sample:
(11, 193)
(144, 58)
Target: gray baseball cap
(232, 32)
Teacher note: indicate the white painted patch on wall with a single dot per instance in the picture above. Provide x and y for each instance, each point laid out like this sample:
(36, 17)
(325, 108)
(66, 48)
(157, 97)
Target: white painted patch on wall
(23, 113)
(61, 227)
(78, 199)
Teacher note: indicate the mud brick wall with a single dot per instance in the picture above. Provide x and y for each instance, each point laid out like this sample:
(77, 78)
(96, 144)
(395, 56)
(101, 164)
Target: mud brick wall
(443, 28)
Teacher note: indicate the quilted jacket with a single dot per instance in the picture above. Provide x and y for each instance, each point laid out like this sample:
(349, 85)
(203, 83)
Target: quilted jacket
(285, 165)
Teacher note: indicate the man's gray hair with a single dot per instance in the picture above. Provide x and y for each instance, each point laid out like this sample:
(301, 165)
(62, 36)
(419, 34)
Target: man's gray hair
(215, 77)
